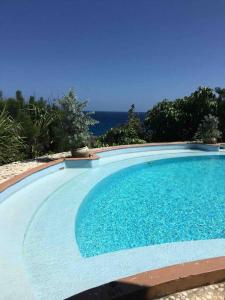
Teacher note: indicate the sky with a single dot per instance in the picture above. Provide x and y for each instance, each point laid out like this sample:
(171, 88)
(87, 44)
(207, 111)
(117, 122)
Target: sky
(113, 52)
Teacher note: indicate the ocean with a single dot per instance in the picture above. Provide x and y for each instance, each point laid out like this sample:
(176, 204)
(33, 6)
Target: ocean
(109, 119)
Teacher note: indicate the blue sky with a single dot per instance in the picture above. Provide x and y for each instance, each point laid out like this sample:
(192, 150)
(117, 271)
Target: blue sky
(114, 52)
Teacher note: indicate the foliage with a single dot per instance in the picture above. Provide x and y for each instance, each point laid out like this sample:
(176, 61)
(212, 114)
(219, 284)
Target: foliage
(162, 122)
(179, 119)
(38, 139)
(47, 126)
(39, 123)
(208, 131)
(130, 133)
(56, 126)
(171, 120)
(76, 122)
(11, 142)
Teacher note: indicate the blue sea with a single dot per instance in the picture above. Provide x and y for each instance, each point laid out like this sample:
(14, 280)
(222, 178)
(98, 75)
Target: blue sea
(109, 119)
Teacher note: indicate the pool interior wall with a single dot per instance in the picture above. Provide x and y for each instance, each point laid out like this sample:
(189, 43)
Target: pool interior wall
(38, 253)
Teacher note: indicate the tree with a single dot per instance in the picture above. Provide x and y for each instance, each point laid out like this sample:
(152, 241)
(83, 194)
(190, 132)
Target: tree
(162, 122)
(198, 105)
(134, 122)
(221, 93)
(221, 110)
(76, 122)
(179, 120)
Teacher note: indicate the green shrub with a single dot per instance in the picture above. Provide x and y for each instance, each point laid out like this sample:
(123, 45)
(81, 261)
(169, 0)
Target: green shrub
(129, 133)
(38, 137)
(208, 131)
(179, 120)
(11, 142)
(76, 122)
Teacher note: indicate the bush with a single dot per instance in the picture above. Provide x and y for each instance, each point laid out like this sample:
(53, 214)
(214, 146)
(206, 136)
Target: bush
(177, 120)
(208, 131)
(37, 119)
(38, 133)
(129, 133)
(76, 122)
(162, 122)
(11, 142)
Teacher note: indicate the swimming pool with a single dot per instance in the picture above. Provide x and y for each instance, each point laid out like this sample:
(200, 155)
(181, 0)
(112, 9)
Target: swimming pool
(46, 237)
(164, 201)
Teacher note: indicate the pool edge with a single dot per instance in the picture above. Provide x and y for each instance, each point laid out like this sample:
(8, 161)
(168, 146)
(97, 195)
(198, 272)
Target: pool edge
(94, 156)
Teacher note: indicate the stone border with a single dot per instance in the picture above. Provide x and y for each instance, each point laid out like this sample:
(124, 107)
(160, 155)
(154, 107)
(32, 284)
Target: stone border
(160, 282)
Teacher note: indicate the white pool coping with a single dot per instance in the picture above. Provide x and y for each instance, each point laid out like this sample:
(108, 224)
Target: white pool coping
(49, 265)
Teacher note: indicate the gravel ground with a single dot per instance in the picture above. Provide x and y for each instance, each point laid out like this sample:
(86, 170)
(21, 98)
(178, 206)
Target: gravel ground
(10, 170)
(209, 292)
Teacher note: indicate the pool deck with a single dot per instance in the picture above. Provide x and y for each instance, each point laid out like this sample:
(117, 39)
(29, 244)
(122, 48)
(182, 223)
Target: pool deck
(21, 252)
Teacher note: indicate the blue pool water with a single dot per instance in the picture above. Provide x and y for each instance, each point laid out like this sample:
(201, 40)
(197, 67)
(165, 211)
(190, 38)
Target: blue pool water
(168, 200)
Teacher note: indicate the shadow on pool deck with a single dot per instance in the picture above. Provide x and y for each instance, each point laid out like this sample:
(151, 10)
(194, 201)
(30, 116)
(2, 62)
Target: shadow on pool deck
(114, 290)
(121, 291)
(159, 283)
